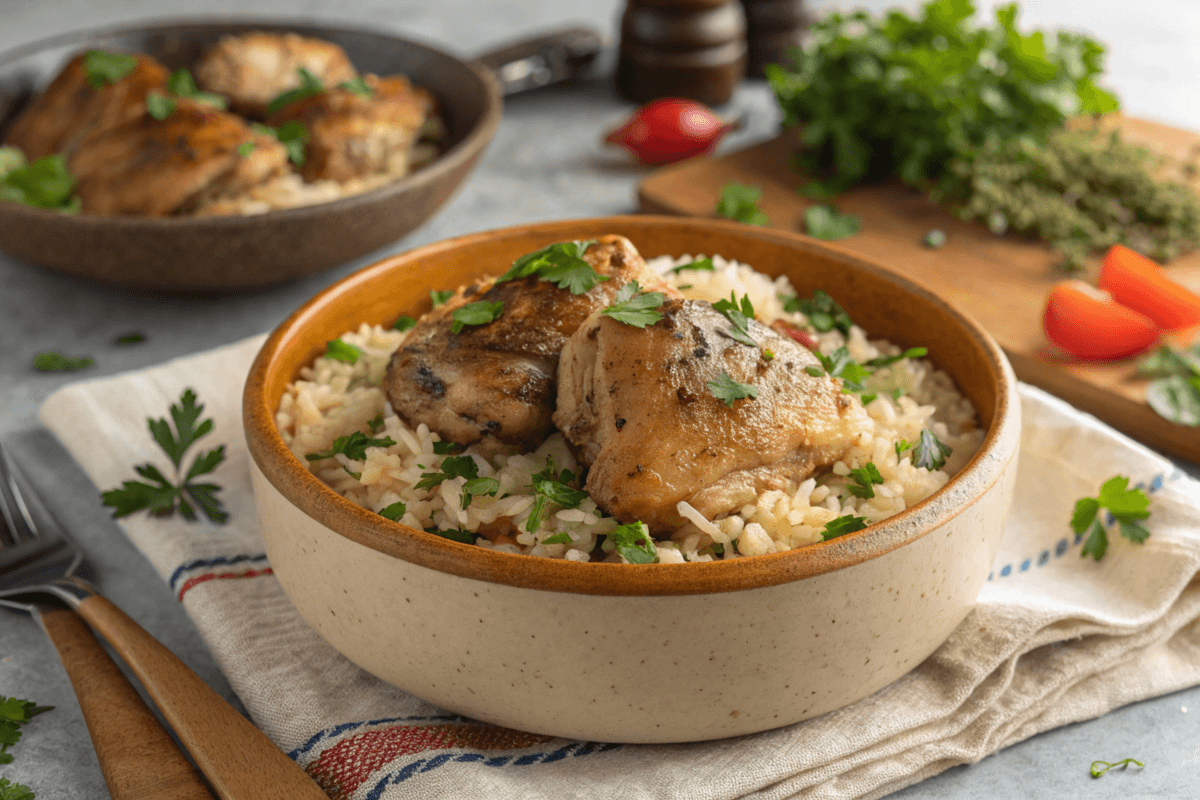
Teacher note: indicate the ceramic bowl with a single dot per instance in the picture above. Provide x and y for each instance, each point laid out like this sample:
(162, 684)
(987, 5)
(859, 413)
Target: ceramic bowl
(219, 255)
(572, 649)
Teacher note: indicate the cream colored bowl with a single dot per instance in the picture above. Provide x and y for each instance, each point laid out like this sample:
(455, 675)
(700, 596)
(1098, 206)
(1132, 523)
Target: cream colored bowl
(623, 653)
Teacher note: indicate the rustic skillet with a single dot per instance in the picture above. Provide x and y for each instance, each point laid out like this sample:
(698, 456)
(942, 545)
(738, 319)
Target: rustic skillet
(562, 648)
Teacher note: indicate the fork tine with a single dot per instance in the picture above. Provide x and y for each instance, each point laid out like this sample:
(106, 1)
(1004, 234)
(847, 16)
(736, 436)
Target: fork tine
(16, 528)
(40, 547)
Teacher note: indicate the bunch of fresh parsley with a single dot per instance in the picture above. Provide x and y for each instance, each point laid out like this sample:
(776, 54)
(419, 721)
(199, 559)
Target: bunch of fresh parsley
(157, 494)
(1127, 507)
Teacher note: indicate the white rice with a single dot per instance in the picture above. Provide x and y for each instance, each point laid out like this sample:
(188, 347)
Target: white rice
(333, 399)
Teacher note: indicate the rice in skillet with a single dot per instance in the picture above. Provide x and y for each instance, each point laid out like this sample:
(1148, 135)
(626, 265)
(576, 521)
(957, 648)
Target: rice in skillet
(334, 398)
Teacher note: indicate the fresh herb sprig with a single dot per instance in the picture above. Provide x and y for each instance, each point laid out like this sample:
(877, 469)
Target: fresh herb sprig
(864, 479)
(354, 447)
(478, 313)
(841, 526)
(560, 263)
(1127, 506)
(739, 314)
(633, 543)
(14, 791)
(552, 487)
(634, 307)
(1101, 767)
(823, 313)
(13, 714)
(461, 467)
(727, 390)
(740, 202)
(929, 451)
(160, 496)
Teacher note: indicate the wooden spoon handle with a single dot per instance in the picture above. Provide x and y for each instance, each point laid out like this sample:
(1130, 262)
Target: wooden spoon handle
(240, 762)
(139, 759)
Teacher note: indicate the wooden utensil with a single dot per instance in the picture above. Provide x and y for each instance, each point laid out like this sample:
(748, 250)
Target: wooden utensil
(1000, 280)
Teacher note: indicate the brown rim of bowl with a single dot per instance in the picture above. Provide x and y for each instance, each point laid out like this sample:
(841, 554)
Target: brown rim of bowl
(304, 490)
(479, 135)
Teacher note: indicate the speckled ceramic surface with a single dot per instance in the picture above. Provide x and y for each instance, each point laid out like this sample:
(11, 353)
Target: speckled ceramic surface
(217, 255)
(568, 649)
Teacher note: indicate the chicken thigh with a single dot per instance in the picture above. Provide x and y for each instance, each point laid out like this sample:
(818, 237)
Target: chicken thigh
(638, 405)
(498, 379)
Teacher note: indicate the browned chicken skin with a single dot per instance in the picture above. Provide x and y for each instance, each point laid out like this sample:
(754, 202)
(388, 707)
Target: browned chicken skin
(352, 136)
(71, 109)
(155, 167)
(638, 406)
(498, 379)
(254, 68)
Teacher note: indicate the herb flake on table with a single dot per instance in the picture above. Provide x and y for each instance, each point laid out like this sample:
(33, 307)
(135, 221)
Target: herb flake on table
(633, 543)
(1126, 506)
(727, 390)
(740, 202)
(343, 351)
(133, 337)
(478, 313)
(825, 222)
(49, 361)
(354, 447)
(104, 67)
(561, 263)
(310, 85)
(929, 451)
(634, 307)
(739, 314)
(841, 526)
(160, 496)
(863, 480)
(1101, 767)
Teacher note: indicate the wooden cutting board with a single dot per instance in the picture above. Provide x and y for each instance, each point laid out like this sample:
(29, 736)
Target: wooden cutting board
(1001, 281)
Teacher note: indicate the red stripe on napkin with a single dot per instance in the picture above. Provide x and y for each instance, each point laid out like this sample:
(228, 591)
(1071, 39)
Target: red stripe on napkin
(208, 576)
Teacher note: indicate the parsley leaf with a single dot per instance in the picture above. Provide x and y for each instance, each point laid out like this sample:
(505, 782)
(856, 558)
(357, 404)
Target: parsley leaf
(182, 84)
(454, 534)
(726, 389)
(864, 479)
(376, 423)
(50, 361)
(103, 67)
(293, 136)
(841, 526)
(824, 222)
(353, 447)
(437, 298)
(740, 202)
(885, 361)
(45, 183)
(451, 467)
(1176, 398)
(13, 791)
(699, 265)
(342, 351)
(159, 106)
(309, 85)
(558, 538)
(442, 448)
(839, 364)
(404, 323)
(394, 512)
(633, 543)
(1126, 505)
(901, 446)
(245, 149)
(13, 714)
(358, 86)
(739, 316)
(478, 487)
(560, 263)
(823, 313)
(1098, 771)
(133, 337)
(550, 486)
(634, 307)
(160, 496)
(929, 452)
(478, 313)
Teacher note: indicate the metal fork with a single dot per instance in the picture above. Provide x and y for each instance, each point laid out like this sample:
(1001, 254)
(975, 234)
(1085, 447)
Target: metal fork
(137, 755)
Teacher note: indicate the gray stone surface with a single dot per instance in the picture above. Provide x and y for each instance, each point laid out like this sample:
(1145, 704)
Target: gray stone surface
(545, 163)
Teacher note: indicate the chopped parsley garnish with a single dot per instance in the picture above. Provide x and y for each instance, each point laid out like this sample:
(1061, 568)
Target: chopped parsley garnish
(901, 446)
(182, 84)
(841, 526)
(768, 355)
(292, 135)
(50, 361)
(739, 315)
(822, 311)
(133, 337)
(885, 361)
(740, 202)
(13, 714)
(454, 534)
(1126, 506)
(451, 467)
(824, 222)
(353, 447)
(341, 351)
(699, 265)
(553, 487)
(404, 323)
(376, 423)
(394, 512)
(245, 149)
(558, 538)
(309, 85)
(103, 67)
(159, 106)
(478, 487)
(726, 389)
(864, 479)
(634, 307)
(560, 263)
(45, 183)
(816, 372)
(358, 86)
(445, 448)
(161, 497)
(839, 364)
(478, 313)
(1098, 770)
(437, 298)
(929, 452)
(633, 543)
(1176, 396)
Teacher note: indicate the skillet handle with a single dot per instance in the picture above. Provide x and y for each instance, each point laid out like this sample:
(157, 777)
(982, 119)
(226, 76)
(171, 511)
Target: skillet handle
(543, 59)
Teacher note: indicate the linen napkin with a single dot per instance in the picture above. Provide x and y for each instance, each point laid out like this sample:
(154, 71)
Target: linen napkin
(1055, 638)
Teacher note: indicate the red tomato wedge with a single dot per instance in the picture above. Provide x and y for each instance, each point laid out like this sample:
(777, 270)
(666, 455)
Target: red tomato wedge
(1088, 324)
(1137, 282)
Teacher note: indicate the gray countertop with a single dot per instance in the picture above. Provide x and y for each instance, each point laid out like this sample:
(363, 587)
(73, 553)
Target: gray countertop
(544, 163)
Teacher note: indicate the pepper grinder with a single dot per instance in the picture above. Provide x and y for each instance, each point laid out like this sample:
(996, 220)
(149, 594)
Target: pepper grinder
(681, 48)
(773, 27)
